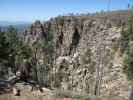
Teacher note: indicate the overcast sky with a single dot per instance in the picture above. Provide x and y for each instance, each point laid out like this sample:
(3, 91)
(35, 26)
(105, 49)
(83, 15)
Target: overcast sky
(30, 10)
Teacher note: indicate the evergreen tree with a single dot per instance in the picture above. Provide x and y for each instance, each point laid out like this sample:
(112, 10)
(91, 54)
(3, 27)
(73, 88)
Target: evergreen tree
(127, 45)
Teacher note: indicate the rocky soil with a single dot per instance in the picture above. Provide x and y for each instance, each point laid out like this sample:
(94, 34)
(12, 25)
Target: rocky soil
(47, 94)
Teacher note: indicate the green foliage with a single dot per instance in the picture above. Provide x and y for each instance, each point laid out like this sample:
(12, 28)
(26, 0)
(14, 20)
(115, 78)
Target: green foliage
(4, 46)
(25, 51)
(35, 60)
(9, 43)
(127, 46)
(15, 45)
(9, 47)
(41, 60)
(12, 36)
(12, 50)
(126, 36)
(128, 62)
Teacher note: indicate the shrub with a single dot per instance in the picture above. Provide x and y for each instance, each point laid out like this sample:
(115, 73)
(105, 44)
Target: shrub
(127, 46)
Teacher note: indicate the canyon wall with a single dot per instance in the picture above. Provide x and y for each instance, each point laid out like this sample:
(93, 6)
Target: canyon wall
(76, 41)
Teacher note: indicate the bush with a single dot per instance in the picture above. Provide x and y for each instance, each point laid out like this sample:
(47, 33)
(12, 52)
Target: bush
(127, 46)
(128, 62)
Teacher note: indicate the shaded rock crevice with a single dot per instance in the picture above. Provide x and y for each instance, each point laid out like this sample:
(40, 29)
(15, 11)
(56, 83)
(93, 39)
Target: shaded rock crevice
(75, 41)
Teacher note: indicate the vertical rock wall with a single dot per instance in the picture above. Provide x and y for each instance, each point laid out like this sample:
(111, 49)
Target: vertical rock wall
(75, 41)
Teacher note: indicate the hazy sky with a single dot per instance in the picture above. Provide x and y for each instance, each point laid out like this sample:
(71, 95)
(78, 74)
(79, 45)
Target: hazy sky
(29, 10)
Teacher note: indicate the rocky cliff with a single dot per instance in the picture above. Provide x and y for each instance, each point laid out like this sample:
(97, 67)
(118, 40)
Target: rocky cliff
(78, 41)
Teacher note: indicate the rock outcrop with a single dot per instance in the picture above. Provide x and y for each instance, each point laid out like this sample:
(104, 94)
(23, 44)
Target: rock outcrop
(75, 40)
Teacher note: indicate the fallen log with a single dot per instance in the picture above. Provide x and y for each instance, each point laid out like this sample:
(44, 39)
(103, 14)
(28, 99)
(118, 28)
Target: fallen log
(13, 80)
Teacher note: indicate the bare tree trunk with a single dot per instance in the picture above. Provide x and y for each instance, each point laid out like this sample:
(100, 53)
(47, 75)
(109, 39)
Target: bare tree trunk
(131, 93)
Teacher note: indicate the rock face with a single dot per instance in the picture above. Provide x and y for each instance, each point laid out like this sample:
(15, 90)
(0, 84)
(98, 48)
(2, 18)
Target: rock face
(75, 40)
(34, 32)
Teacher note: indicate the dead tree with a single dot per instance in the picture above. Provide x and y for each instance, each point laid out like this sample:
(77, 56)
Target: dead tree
(108, 5)
(101, 43)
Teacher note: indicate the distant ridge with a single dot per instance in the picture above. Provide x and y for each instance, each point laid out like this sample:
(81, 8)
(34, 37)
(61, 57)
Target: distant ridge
(19, 25)
(7, 23)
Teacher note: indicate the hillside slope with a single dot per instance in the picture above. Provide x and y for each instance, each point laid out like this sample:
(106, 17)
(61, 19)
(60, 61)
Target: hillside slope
(77, 45)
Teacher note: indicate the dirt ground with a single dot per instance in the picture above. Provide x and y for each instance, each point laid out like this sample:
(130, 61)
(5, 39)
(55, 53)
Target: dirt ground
(47, 94)
(30, 96)
(27, 94)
